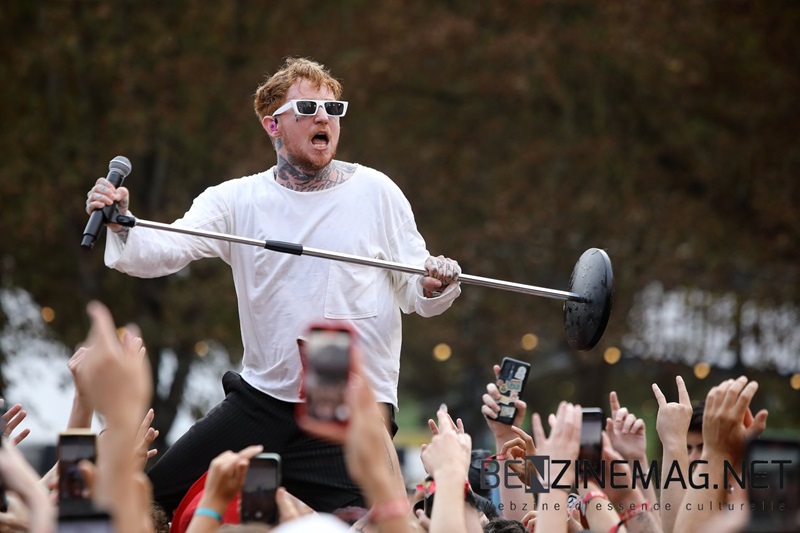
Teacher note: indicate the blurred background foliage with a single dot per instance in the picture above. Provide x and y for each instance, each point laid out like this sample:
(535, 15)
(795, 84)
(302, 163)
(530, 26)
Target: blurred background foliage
(523, 132)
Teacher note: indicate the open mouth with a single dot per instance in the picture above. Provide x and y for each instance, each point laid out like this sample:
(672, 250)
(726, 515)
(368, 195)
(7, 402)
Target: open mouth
(320, 140)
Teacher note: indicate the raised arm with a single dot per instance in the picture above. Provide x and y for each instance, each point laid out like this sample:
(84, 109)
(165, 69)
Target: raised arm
(672, 425)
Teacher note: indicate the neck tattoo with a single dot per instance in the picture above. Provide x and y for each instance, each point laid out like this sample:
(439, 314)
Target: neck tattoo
(294, 178)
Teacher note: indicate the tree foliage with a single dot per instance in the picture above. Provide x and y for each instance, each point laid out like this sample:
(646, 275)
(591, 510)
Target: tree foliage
(522, 132)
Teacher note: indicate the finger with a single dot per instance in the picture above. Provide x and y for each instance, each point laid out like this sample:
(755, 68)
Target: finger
(286, 508)
(515, 442)
(251, 451)
(460, 426)
(25, 432)
(758, 426)
(496, 369)
(744, 399)
(628, 423)
(152, 453)
(445, 421)
(145, 425)
(489, 412)
(13, 417)
(613, 401)
(520, 414)
(538, 430)
(493, 391)
(102, 328)
(619, 420)
(711, 401)
(88, 471)
(430, 283)
(683, 394)
(424, 521)
(735, 390)
(13, 410)
(121, 196)
(150, 436)
(433, 427)
(660, 398)
(638, 427)
(524, 436)
(490, 402)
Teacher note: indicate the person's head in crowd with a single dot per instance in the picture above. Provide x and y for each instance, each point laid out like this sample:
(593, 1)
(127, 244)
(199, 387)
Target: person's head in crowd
(474, 474)
(503, 525)
(694, 437)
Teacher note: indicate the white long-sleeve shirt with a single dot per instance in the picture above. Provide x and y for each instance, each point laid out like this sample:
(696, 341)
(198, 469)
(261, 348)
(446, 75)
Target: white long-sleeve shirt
(280, 295)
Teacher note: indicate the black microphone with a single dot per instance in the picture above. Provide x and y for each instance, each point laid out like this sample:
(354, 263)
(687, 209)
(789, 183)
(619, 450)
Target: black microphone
(118, 170)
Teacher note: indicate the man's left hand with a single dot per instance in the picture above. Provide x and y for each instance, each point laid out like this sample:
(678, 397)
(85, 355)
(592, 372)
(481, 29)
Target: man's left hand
(441, 272)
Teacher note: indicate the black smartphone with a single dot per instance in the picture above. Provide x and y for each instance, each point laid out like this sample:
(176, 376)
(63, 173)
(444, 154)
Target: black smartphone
(326, 356)
(591, 451)
(73, 496)
(428, 503)
(511, 382)
(260, 485)
(773, 484)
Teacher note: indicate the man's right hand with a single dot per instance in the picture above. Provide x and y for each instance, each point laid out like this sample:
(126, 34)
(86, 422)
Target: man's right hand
(104, 193)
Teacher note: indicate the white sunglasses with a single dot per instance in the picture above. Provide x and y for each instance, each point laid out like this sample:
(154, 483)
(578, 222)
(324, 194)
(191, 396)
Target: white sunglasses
(309, 108)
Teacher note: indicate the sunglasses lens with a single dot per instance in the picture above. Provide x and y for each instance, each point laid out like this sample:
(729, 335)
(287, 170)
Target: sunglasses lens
(306, 107)
(334, 109)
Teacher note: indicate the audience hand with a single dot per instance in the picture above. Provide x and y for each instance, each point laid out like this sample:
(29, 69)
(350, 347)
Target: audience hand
(11, 419)
(672, 423)
(626, 432)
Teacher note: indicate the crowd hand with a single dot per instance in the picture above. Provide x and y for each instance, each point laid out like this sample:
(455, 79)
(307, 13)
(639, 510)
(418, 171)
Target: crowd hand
(104, 193)
(116, 377)
(626, 431)
(290, 507)
(529, 521)
(565, 434)
(17, 517)
(11, 419)
(226, 476)
(621, 491)
(21, 478)
(725, 420)
(423, 521)
(674, 418)
(517, 449)
(440, 272)
(490, 408)
(144, 438)
(450, 448)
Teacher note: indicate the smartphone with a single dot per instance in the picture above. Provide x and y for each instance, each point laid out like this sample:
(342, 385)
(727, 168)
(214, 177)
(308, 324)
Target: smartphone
(511, 382)
(428, 503)
(773, 484)
(73, 495)
(591, 451)
(326, 354)
(258, 494)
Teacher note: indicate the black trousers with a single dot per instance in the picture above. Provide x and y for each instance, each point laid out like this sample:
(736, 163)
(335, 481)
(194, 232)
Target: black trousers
(312, 469)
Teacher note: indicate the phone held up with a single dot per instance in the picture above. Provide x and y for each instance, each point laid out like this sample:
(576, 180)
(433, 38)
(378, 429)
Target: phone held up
(326, 353)
(591, 450)
(76, 511)
(511, 382)
(260, 485)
